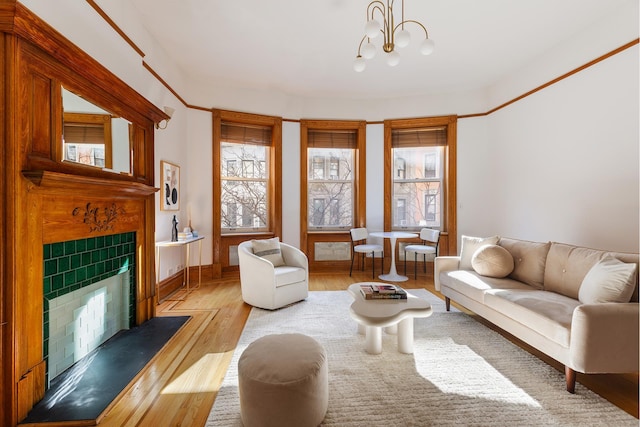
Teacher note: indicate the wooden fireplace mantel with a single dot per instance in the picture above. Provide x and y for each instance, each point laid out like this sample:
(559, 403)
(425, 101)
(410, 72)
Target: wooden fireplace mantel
(46, 200)
(63, 183)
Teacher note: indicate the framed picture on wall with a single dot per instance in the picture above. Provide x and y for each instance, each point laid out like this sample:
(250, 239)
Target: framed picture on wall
(170, 192)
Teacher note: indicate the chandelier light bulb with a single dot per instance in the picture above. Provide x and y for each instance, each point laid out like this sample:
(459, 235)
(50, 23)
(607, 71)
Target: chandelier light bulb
(393, 58)
(372, 28)
(359, 65)
(402, 38)
(368, 51)
(427, 47)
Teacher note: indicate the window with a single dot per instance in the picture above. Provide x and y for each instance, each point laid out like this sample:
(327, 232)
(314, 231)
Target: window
(86, 138)
(331, 179)
(420, 179)
(244, 193)
(332, 188)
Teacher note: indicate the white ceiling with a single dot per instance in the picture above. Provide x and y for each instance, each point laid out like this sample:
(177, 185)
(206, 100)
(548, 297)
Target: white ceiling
(307, 48)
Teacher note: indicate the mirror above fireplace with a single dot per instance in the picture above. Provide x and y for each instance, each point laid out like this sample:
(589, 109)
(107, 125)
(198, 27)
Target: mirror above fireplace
(94, 136)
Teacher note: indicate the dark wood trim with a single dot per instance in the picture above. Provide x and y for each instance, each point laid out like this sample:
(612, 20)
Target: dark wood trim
(29, 27)
(466, 116)
(115, 27)
(169, 88)
(64, 183)
(556, 80)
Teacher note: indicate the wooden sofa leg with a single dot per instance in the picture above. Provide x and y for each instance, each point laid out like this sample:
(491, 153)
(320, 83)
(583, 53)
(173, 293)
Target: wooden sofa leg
(447, 303)
(570, 376)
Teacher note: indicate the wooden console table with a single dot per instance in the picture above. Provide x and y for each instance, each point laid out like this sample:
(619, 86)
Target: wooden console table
(185, 244)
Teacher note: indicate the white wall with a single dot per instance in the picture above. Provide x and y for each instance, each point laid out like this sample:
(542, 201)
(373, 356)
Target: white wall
(560, 165)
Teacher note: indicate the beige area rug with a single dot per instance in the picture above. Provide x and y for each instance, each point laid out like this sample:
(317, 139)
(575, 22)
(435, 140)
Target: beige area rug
(461, 374)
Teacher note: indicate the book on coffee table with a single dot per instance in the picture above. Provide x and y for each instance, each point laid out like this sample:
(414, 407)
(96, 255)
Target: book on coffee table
(382, 291)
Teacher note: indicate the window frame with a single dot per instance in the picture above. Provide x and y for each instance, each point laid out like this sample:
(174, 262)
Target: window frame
(222, 244)
(308, 237)
(448, 226)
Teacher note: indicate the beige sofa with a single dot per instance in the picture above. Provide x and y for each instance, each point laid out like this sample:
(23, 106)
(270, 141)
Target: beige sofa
(590, 327)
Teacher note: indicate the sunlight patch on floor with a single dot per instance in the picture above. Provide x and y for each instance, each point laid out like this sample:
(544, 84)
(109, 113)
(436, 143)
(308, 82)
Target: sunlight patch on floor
(480, 379)
(200, 377)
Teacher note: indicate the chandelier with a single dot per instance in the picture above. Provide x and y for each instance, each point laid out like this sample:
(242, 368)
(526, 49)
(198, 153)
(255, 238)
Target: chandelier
(394, 36)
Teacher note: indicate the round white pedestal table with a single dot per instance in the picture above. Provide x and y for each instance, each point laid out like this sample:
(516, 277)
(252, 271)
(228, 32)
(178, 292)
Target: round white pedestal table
(393, 275)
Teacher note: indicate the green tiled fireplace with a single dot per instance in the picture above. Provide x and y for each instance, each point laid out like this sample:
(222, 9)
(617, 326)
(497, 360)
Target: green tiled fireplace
(75, 264)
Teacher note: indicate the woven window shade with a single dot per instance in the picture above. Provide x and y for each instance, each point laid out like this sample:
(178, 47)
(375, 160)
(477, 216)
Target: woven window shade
(332, 139)
(404, 138)
(245, 134)
(84, 133)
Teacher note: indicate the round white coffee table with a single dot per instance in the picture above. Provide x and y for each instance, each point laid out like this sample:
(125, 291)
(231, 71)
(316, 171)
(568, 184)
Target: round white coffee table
(373, 315)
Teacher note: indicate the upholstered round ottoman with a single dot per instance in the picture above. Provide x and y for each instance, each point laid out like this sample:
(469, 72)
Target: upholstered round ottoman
(283, 381)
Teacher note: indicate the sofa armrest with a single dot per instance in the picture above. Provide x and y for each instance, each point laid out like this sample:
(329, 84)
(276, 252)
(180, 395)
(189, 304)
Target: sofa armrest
(444, 263)
(604, 338)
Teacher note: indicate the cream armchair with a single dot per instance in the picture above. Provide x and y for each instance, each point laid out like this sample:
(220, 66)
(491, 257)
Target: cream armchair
(269, 287)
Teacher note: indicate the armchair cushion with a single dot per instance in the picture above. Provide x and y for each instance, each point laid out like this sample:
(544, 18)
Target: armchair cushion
(286, 275)
(268, 249)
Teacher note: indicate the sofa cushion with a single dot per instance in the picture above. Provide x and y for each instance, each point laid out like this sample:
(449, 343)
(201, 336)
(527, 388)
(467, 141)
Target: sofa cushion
(492, 261)
(609, 280)
(546, 313)
(286, 275)
(469, 247)
(629, 258)
(474, 285)
(268, 249)
(528, 259)
(567, 265)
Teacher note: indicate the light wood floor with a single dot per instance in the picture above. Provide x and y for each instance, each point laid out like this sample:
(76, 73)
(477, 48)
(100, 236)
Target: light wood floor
(179, 386)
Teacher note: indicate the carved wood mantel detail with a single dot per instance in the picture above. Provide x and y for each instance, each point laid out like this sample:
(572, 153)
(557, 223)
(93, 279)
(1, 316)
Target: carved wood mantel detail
(99, 219)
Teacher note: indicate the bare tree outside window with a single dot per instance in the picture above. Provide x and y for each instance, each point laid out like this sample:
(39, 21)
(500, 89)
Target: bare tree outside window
(419, 187)
(247, 189)
(330, 188)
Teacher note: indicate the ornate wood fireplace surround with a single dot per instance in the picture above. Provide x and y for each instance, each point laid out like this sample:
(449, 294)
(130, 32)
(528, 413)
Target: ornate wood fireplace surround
(47, 200)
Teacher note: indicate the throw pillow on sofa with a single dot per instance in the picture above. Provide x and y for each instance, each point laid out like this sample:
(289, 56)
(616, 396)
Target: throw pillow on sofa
(469, 247)
(268, 249)
(610, 280)
(492, 261)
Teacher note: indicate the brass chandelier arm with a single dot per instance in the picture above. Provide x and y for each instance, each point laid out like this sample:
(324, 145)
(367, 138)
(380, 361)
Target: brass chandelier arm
(360, 46)
(426, 33)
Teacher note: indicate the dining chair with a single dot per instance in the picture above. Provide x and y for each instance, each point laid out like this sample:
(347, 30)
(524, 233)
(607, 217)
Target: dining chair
(430, 239)
(359, 245)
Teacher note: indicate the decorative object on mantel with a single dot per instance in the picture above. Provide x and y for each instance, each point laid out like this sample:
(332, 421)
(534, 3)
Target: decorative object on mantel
(393, 35)
(174, 229)
(170, 181)
(97, 219)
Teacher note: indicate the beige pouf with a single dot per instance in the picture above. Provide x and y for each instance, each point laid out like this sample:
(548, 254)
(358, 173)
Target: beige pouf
(283, 381)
